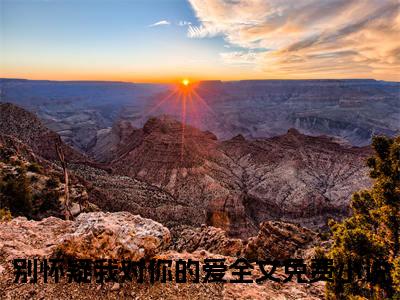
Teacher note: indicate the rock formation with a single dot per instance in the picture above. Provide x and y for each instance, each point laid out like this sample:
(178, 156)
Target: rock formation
(212, 239)
(297, 178)
(351, 110)
(189, 181)
(91, 236)
(114, 236)
(26, 127)
(43, 239)
(179, 175)
(183, 161)
(238, 183)
(33, 186)
(279, 240)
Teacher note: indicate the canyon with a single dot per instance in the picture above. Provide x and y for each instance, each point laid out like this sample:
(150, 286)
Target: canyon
(255, 169)
(350, 110)
(182, 176)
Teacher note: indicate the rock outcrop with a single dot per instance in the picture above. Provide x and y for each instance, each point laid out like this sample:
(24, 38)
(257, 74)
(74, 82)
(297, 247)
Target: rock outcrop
(21, 238)
(212, 239)
(279, 240)
(114, 236)
(90, 236)
(298, 178)
(180, 175)
(112, 192)
(32, 186)
(186, 163)
(109, 142)
(274, 240)
(26, 127)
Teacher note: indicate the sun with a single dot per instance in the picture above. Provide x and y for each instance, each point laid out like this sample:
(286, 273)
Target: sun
(185, 82)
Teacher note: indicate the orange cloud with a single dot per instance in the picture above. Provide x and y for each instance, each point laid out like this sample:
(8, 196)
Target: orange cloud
(335, 38)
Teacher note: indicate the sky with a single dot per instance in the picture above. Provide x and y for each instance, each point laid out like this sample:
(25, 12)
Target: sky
(167, 40)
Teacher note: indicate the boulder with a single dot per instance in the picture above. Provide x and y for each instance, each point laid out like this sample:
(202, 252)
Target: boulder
(21, 238)
(117, 235)
(96, 235)
(212, 239)
(279, 240)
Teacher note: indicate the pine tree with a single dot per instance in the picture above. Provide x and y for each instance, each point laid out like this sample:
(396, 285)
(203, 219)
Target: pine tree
(372, 232)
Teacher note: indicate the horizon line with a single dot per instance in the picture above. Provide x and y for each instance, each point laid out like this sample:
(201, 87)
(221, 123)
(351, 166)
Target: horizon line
(205, 80)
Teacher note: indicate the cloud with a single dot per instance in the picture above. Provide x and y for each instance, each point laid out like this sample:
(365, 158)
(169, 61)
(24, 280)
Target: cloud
(201, 31)
(184, 23)
(310, 38)
(241, 57)
(160, 23)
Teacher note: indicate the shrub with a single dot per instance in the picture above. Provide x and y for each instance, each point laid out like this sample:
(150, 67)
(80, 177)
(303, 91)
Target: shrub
(34, 179)
(52, 183)
(5, 215)
(35, 168)
(16, 195)
(372, 232)
(50, 201)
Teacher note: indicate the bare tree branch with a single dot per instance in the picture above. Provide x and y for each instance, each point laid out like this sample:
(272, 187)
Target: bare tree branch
(61, 157)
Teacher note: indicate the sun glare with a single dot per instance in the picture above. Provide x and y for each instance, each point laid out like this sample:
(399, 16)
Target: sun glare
(185, 82)
(183, 100)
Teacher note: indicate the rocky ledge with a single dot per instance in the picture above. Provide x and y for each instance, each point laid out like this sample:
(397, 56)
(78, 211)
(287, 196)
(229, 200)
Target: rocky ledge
(117, 235)
(96, 235)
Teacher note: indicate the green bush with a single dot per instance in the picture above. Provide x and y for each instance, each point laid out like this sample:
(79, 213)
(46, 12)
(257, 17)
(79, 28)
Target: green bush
(372, 232)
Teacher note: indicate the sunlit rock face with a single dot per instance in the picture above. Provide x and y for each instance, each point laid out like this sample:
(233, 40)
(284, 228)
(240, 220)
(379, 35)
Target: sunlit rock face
(208, 238)
(21, 238)
(90, 236)
(114, 236)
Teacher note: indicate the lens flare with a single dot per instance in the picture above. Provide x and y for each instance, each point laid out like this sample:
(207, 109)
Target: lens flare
(185, 103)
(185, 82)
